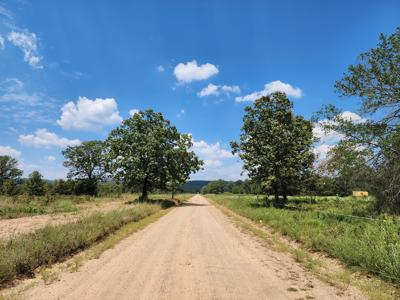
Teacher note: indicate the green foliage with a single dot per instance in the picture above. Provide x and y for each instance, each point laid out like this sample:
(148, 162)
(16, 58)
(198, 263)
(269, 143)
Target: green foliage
(181, 163)
(376, 78)
(235, 187)
(9, 174)
(86, 163)
(35, 184)
(62, 187)
(145, 151)
(275, 145)
(347, 164)
(372, 245)
(25, 253)
(110, 189)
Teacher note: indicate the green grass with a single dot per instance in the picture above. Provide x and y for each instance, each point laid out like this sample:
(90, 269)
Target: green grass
(25, 253)
(370, 245)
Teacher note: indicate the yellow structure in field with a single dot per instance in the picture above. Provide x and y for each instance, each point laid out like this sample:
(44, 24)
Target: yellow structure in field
(360, 194)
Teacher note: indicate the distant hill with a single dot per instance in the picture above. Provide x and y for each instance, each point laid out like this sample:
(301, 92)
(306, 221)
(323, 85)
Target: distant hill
(194, 186)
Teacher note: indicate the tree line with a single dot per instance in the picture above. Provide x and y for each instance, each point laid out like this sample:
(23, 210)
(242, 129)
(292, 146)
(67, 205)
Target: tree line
(143, 154)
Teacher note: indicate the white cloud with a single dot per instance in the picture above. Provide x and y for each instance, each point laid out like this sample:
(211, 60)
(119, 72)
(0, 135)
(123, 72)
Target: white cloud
(210, 151)
(7, 150)
(351, 116)
(43, 138)
(27, 42)
(215, 90)
(89, 114)
(235, 89)
(192, 71)
(133, 112)
(332, 136)
(50, 158)
(160, 68)
(209, 90)
(1, 42)
(5, 12)
(271, 87)
(13, 90)
(218, 162)
(321, 152)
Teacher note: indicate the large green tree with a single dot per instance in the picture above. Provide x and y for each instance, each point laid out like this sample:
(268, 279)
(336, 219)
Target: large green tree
(275, 145)
(86, 163)
(145, 152)
(375, 79)
(9, 172)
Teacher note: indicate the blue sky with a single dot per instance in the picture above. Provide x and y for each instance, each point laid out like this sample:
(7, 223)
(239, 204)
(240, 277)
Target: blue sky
(72, 70)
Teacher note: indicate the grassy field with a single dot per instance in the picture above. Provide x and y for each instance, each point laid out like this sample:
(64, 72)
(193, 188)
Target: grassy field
(23, 205)
(343, 228)
(26, 252)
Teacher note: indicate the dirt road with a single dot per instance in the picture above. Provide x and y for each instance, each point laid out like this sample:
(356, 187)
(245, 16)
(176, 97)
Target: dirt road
(194, 252)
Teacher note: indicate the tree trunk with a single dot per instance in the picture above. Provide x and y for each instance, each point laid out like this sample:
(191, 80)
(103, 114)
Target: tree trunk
(145, 192)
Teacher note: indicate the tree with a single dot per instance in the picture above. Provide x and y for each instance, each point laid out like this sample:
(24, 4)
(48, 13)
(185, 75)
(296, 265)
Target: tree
(9, 172)
(348, 164)
(35, 184)
(376, 81)
(86, 163)
(181, 163)
(145, 151)
(215, 187)
(275, 145)
(376, 78)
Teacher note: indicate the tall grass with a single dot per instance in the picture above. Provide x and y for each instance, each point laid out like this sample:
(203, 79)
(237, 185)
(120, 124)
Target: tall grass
(370, 244)
(23, 254)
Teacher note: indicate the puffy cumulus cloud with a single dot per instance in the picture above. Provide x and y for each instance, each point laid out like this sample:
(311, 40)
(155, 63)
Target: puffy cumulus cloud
(7, 150)
(332, 136)
(160, 68)
(27, 42)
(42, 138)
(192, 71)
(209, 90)
(210, 151)
(218, 162)
(89, 114)
(13, 90)
(272, 87)
(50, 158)
(133, 111)
(1, 42)
(216, 90)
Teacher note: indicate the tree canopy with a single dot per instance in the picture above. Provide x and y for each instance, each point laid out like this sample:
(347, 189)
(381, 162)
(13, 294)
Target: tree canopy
(9, 172)
(275, 145)
(147, 152)
(376, 81)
